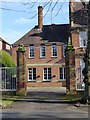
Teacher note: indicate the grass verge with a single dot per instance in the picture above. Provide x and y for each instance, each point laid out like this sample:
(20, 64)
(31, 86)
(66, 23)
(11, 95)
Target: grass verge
(5, 103)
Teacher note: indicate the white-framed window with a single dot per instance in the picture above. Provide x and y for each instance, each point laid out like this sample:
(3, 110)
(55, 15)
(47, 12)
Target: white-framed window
(42, 51)
(47, 74)
(31, 51)
(82, 63)
(62, 73)
(82, 66)
(31, 74)
(64, 48)
(80, 85)
(54, 50)
(83, 38)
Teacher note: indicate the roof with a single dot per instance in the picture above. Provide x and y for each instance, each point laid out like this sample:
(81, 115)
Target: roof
(4, 41)
(49, 33)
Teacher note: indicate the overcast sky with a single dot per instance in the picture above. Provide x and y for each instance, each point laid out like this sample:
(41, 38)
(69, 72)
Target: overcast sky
(15, 24)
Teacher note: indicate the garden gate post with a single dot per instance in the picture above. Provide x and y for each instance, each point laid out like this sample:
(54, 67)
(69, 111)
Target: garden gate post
(70, 69)
(21, 71)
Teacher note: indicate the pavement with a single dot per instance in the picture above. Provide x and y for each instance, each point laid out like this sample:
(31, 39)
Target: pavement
(45, 103)
(47, 95)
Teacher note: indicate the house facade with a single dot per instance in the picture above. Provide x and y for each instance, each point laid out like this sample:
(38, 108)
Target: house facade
(5, 46)
(45, 52)
(78, 25)
(45, 56)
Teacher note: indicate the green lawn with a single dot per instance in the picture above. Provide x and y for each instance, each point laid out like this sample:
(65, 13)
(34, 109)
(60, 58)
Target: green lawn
(5, 103)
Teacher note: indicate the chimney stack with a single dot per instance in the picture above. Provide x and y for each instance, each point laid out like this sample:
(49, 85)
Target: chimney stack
(40, 17)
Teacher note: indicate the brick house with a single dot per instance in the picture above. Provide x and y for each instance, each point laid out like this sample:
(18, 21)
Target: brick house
(45, 51)
(5, 46)
(45, 57)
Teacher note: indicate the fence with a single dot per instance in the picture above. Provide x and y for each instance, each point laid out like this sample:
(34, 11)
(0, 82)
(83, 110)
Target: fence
(80, 85)
(8, 78)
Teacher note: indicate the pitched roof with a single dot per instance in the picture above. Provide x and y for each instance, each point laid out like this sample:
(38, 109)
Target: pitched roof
(49, 33)
(4, 41)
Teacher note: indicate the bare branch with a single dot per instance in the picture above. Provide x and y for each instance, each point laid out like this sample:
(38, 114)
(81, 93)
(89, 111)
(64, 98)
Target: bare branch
(54, 5)
(60, 8)
(25, 3)
(13, 10)
(48, 8)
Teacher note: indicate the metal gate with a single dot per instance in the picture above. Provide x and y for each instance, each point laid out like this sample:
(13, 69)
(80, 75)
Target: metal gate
(80, 85)
(8, 78)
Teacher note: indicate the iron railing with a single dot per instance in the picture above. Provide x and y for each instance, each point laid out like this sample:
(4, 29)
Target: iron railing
(8, 78)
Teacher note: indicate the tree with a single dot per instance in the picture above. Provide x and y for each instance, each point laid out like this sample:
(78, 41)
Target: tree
(86, 71)
(6, 59)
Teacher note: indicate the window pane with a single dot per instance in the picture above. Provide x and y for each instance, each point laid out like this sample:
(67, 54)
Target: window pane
(30, 73)
(64, 73)
(61, 73)
(47, 73)
(45, 76)
(54, 50)
(42, 51)
(83, 39)
(31, 51)
(34, 73)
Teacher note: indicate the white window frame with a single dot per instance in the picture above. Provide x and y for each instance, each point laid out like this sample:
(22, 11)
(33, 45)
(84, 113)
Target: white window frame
(47, 73)
(54, 50)
(42, 49)
(64, 78)
(31, 51)
(83, 38)
(82, 65)
(80, 85)
(32, 74)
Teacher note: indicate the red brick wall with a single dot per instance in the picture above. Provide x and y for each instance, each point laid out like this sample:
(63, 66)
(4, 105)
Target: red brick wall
(39, 81)
(75, 39)
(47, 59)
(30, 62)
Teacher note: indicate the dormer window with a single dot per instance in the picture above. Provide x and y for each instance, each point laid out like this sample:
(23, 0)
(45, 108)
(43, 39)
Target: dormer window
(54, 50)
(42, 51)
(31, 51)
(83, 39)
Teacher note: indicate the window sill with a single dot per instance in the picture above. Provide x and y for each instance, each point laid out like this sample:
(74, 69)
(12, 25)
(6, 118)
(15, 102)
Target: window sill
(42, 57)
(31, 57)
(62, 80)
(31, 80)
(83, 46)
(53, 56)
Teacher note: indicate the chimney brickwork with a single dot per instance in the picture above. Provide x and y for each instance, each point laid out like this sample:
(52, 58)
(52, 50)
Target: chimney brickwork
(40, 17)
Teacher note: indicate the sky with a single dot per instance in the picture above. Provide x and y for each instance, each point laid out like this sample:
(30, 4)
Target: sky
(17, 17)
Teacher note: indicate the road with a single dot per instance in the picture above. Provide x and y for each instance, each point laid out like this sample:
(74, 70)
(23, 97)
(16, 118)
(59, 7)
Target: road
(44, 110)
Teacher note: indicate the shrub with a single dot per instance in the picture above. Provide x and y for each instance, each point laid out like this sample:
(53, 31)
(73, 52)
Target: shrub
(6, 59)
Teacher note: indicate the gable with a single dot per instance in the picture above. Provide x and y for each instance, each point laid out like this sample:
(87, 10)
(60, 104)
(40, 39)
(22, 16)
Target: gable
(49, 33)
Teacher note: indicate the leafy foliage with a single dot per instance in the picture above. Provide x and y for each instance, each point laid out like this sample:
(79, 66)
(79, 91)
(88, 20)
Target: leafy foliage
(6, 59)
